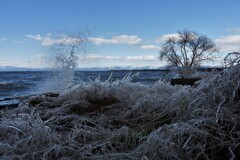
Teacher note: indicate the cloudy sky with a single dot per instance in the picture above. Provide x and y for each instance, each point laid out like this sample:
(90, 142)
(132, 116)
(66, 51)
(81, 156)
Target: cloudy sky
(121, 32)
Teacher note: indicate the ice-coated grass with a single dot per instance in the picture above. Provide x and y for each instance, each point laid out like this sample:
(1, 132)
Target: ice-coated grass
(125, 120)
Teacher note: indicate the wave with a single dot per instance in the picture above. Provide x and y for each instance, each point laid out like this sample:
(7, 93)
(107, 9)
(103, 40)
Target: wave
(5, 83)
(11, 89)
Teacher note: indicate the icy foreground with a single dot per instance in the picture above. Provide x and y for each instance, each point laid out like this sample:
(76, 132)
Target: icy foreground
(124, 120)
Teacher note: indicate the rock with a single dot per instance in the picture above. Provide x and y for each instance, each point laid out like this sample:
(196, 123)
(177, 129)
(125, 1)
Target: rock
(184, 81)
(51, 94)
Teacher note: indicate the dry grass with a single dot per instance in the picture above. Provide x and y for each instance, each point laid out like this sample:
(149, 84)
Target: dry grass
(124, 120)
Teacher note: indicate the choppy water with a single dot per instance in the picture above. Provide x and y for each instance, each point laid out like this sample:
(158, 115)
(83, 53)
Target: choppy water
(25, 83)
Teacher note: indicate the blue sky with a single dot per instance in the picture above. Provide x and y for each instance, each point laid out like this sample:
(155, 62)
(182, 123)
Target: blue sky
(121, 32)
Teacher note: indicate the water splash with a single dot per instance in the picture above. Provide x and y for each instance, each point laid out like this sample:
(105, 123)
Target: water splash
(64, 58)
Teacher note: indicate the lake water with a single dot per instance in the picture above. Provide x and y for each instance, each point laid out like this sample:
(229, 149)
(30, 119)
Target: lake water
(14, 84)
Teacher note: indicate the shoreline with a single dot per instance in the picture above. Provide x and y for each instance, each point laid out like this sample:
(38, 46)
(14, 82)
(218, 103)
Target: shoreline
(209, 69)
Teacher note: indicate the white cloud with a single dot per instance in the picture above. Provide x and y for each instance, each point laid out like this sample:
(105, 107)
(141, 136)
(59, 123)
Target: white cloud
(151, 47)
(11, 40)
(233, 30)
(166, 37)
(141, 58)
(232, 40)
(18, 42)
(40, 61)
(37, 37)
(4, 62)
(95, 57)
(123, 39)
(59, 39)
(3, 39)
(15, 63)
(229, 43)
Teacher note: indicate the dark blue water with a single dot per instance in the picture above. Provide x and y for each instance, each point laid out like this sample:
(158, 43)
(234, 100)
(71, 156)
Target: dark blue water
(14, 84)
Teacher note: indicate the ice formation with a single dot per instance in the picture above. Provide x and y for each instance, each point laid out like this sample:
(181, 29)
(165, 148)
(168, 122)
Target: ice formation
(125, 120)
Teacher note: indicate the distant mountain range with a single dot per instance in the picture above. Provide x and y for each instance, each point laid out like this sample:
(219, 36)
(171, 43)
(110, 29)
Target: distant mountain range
(12, 68)
(121, 68)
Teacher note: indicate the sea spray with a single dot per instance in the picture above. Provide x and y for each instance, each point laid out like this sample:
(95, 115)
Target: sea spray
(64, 58)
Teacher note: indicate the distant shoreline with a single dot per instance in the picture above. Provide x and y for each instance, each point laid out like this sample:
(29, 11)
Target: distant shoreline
(169, 70)
(208, 69)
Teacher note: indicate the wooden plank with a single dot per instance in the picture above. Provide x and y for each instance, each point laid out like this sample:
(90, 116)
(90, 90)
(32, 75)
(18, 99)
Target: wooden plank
(184, 81)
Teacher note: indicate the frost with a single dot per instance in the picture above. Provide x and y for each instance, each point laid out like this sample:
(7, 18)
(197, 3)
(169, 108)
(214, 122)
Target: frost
(125, 120)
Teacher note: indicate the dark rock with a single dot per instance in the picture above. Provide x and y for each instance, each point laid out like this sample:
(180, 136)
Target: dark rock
(35, 101)
(184, 81)
(52, 94)
(9, 103)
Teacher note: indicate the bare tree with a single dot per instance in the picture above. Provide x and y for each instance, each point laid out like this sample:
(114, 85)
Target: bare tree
(232, 59)
(188, 49)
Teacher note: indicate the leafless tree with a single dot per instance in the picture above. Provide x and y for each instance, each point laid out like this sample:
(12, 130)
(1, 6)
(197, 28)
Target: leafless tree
(187, 49)
(232, 59)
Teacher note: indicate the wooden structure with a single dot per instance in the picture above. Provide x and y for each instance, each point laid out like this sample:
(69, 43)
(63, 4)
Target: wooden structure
(184, 81)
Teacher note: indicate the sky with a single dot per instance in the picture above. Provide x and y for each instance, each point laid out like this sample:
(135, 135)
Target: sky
(120, 32)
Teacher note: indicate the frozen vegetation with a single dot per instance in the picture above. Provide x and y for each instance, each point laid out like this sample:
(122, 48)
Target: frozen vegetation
(125, 120)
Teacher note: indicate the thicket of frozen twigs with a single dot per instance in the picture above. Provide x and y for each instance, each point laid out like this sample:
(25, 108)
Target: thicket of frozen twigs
(124, 120)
